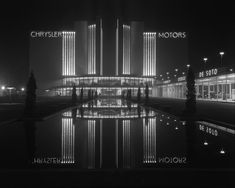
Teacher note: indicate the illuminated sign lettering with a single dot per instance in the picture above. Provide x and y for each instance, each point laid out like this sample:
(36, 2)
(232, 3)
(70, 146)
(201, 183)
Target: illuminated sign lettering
(182, 78)
(173, 35)
(166, 81)
(45, 34)
(211, 72)
(208, 130)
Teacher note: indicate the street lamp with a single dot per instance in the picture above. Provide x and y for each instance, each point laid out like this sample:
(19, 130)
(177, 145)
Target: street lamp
(10, 92)
(22, 89)
(205, 60)
(176, 72)
(205, 143)
(3, 87)
(222, 151)
(221, 55)
(188, 65)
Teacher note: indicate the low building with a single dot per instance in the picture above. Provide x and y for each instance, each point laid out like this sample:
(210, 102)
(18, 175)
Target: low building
(216, 84)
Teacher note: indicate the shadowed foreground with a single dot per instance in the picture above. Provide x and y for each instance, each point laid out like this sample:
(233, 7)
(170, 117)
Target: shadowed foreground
(119, 178)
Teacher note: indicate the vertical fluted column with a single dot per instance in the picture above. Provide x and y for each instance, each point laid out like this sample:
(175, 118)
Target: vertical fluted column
(101, 143)
(116, 132)
(68, 53)
(126, 49)
(101, 48)
(149, 140)
(92, 49)
(126, 143)
(91, 143)
(117, 47)
(149, 54)
(68, 141)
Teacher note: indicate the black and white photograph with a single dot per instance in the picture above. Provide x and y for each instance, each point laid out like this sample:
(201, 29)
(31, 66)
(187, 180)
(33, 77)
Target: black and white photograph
(117, 93)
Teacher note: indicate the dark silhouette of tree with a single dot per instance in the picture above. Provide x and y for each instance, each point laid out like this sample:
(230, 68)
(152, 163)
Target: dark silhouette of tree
(130, 94)
(129, 105)
(190, 104)
(96, 94)
(74, 95)
(89, 94)
(138, 95)
(146, 93)
(74, 115)
(127, 94)
(81, 95)
(147, 116)
(81, 111)
(138, 111)
(92, 94)
(30, 100)
(123, 94)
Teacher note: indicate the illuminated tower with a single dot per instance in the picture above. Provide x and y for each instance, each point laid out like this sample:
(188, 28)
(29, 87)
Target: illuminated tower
(92, 49)
(126, 50)
(68, 53)
(149, 54)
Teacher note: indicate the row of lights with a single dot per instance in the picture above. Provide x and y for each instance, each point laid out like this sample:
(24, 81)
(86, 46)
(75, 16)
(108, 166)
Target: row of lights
(176, 72)
(222, 151)
(10, 88)
(205, 59)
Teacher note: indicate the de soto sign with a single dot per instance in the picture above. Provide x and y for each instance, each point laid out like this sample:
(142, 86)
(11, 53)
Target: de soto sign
(211, 72)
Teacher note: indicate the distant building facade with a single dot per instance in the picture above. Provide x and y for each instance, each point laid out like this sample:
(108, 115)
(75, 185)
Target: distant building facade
(107, 56)
(217, 84)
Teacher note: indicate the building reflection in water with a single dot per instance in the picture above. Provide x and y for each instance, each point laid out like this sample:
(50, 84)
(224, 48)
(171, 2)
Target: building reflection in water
(68, 140)
(129, 144)
(126, 143)
(91, 143)
(149, 141)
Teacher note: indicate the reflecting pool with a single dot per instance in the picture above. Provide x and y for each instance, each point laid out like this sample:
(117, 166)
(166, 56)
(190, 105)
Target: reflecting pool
(113, 133)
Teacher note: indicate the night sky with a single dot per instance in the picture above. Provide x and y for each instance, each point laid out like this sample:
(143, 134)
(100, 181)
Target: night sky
(210, 24)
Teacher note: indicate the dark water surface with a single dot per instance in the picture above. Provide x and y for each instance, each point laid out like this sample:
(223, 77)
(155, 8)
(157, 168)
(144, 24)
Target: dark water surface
(111, 133)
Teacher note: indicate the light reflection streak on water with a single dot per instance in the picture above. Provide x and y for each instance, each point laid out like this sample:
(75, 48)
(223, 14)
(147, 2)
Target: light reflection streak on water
(123, 137)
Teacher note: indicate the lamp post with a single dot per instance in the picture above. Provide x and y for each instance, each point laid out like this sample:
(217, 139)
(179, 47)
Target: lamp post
(205, 60)
(176, 71)
(224, 91)
(22, 91)
(3, 89)
(221, 57)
